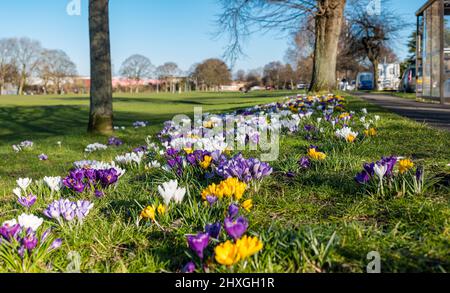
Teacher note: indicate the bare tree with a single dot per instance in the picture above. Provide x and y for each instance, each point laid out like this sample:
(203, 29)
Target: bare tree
(168, 72)
(27, 54)
(240, 75)
(242, 17)
(137, 67)
(7, 62)
(55, 66)
(101, 112)
(372, 34)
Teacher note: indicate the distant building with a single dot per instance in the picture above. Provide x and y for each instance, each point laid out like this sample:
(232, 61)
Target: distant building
(234, 87)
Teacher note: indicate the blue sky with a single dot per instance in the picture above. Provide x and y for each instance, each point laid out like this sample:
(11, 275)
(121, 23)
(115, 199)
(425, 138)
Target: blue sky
(163, 30)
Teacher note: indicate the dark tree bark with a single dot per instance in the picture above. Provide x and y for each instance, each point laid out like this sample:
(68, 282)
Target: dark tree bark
(328, 21)
(101, 112)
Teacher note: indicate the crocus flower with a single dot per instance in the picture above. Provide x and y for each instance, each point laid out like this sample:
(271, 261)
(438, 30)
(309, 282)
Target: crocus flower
(198, 243)
(30, 241)
(189, 268)
(24, 183)
(170, 191)
(236, 228)
(380, 170)
(43, 157)
(213, 230)
(247, 205)
(30, 222)
(27, 201)
(211, 199)
(405, 165)
(55, 244)
(54, 183)
(114, 141)
(227, 253)
(233, 211)
(304, 163)
(419, 174)
(248, 246)
(9, 229)
(362, 178)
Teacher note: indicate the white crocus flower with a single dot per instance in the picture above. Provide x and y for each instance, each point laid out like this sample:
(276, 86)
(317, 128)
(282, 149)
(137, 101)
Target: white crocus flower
(380, 170)
(24, 183)
(154, 165)
(377, 118)
(10, 223)
(18, 192)
(54, 183)
(30, 222)
(170, 191)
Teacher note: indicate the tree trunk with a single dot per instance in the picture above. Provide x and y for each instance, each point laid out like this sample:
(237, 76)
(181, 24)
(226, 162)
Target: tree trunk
(101, 113)
(23, 77)
(328, 29)
(376, 76)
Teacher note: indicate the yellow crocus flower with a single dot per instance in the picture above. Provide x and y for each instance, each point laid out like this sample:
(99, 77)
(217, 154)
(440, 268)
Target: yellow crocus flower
(149, 213)
(161, 209)
(248, 246)
(206, 162)
(247, 205)
(227, 253)
(405, 165)
(315, 155)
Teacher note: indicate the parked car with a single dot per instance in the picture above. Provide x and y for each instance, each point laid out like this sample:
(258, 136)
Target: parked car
(302, 86)
(364, 81)
(408, 83)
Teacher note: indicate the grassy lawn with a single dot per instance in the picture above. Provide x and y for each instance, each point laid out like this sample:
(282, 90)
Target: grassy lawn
(296, 217)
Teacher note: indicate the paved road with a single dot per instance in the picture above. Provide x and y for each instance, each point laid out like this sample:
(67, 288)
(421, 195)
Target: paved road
(434, 114)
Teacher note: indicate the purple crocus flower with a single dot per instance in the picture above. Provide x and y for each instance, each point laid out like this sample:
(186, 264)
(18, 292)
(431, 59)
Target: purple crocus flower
(9, 232)
(45, 235)
(43, 157)
(290, 174)
(27, 201)
(198, 243)
(56, 244)
(214, 230)
(236, 228)
(362, 178)
(245, 170)
(419, 174)
(189, 268)
(304, 163)
(114, 141)
(108, 177)
(211, 199)
(233, 211)
(30, 241)
(369, 168)
(99, 194)
(390, 163)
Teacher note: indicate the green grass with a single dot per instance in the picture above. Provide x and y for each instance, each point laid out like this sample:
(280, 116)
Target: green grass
(295, 217)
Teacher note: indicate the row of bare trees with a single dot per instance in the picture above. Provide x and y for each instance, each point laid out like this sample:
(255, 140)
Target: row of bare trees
(207, 75)
(23, 58)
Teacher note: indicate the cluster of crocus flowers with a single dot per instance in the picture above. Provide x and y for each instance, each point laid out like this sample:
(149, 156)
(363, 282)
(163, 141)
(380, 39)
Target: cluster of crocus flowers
(150, 212)
(80, 180)
(23, 235)
(371, 132)
(316, 155)
(69, 211)
(230, 253)
(229, 188)
(114, 141)
(347, 134)
(170, 191)
(24, 197)
(246, 170)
